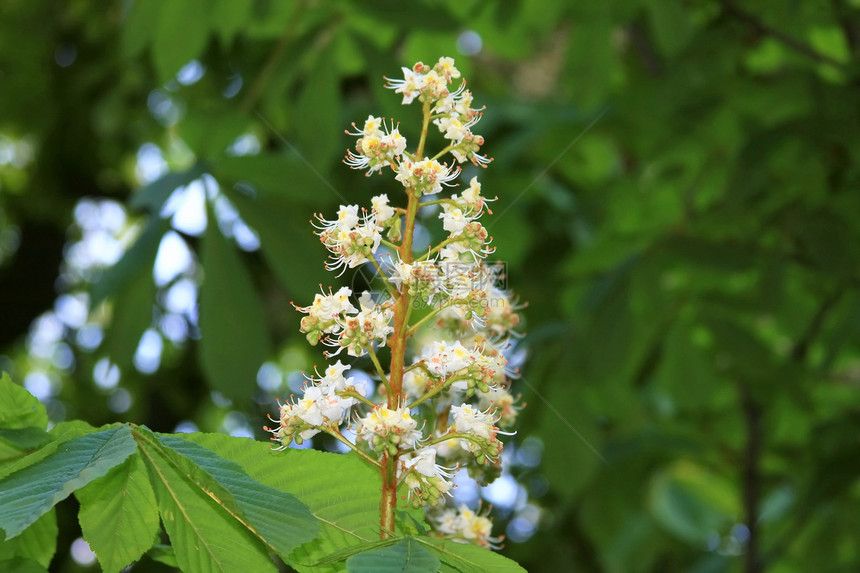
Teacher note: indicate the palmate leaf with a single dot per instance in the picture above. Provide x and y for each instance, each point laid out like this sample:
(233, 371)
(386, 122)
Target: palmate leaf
(341, 491)
(465, 558)
(405, 556)
(118, 515)
(194, 510)
(278, 518)
(32, 491)
(211, 503)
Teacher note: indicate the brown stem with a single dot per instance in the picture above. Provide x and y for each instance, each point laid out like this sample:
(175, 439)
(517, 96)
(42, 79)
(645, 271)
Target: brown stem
(731, 9)
(388, 501)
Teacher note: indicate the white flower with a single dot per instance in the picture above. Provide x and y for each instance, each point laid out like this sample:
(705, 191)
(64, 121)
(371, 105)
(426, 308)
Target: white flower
(375, 148)
(445, 66)
(381, 207)
(470, 420)
(410, 86)
(426, 176)
(466, 525)
(334, 379)
(453, 219)
(351, 240)
(443, 358)
(423, 475)
(385, 423)
(415, 383)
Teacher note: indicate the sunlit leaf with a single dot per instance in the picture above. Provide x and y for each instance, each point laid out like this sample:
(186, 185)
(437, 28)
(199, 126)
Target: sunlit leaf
(277, 517)
(118, 514)
(38, 542)
(18, 408)
(341, 491)
(196, 512)
(405, 556)
(29, 493)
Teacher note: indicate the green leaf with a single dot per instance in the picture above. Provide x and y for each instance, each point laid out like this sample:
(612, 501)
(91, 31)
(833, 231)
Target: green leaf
(406, 556)
(163, 554)
(18, 408)
(209, 132)
(228, 17)
(134, 267)
(234, 338)
(138, 27)
(319, 102)
(286, 241)
(29, 493)
(342, 492)
(153, 196)
(24, 438)
(281, 178)
(118, 515)
(21, 565)
(61, 433)
(692, 503)
(131, 316)
(38, 542)
(465, 558)
(200, 517)
(181, 35)
(671, 26)
(277, 517)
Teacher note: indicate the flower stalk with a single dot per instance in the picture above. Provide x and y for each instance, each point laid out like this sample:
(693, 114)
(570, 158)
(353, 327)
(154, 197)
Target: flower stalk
(448, 366)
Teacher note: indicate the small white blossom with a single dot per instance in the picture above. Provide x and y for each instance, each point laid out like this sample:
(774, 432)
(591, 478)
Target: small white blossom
(383, 425)
(381, 207)
(425, 177)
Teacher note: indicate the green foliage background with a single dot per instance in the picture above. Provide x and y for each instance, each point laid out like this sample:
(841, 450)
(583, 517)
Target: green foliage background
(678, 203)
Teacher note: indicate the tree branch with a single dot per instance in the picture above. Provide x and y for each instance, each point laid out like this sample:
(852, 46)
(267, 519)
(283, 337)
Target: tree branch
(731, 9)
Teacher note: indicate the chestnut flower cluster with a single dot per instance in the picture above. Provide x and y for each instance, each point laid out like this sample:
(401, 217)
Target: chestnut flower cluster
(442, 315)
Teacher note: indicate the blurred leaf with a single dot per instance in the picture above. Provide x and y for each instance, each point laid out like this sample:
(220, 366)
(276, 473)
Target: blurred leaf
(21, 565)
(38, 542)
(692, 503)
(164, 554)
(276, 177)
(210, 132)
(318, 122)
(18, 408)
(286, 240)
(152, 196)
(590, 56)
(131, 316)
(31, 492)
(229, 17)
(234, 338)
(139, 26)
(180, 35)
(133, 268)
(118, 514)
(671, 26)
(406, 556)
(686, 371)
